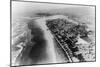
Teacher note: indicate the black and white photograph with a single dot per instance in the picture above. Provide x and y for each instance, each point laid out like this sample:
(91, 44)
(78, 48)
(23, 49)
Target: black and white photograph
(52, 33)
